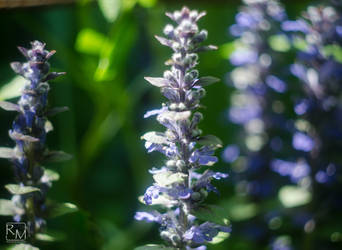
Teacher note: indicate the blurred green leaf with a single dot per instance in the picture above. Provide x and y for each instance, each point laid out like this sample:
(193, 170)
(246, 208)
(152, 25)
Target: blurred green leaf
(58, 209)
(7, 208)
(17, 189)
(279, 43)
(90, 41)
(220, 237)
(210, 140)
(50, 236)
(110, 9)
(335, 51)
(147, 3)
(213, 213)
(12, 89)
(293, 196)
(154, 247)
(227, 49)
(6, 153)
(50, 175)
(22, 247)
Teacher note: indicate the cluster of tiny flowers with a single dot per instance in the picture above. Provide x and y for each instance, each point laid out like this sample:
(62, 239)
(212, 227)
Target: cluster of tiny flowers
(180, 186)
(29, 130)
(256, 102)
(318, 107)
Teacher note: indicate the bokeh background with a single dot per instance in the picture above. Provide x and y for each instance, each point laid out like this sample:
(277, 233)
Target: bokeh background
(106, 48)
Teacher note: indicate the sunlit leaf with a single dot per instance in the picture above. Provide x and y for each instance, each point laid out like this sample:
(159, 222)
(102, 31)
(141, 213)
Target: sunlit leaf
(89, 41)
(293, 196)
(22, 247)
(110, 9)
(7, 208)
(279, 43)
(50, 175)
(59, 209)
(12, 89)
(147, 3)
(8, 106)
(50, 236)
(221, 236)
(17, 189)
(168, 178)
(6, 153)
(227, 49)
(157, 81)
(335, 51)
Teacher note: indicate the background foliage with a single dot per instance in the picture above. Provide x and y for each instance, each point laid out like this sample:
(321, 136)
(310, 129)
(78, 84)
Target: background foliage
(106, 48)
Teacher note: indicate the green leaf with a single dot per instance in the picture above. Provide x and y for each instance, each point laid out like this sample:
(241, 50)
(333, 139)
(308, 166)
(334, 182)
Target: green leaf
(294, 196)
(335, 51)
(58, 209)
(279, 43)
(56, 156)
(227, 49)
(155, 137)
(50, 236)
(206, 80)
(50, 175)
(8, 106)
(89, 41)
(110, 9)
(7, 208)
(17, 189)
(214, 214)
(210, 140)
(22, 247)
(12, 89)
(7, 153)
(157, 81)
(221, 236)
(154, 247)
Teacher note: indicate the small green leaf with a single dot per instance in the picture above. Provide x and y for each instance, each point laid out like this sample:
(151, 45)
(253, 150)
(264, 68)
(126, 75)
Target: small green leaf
(155, 137)
(89, 41)
(7, 208)
(207, 80)
(17, 189)
(48, 126)
(12, 89)
(227, 49)
(58, 209)
(147, 3)
(50, 236)
(210, 140)
(157, 81)
(294, 196)
(214, 214)
(221, 236)
(50, 175)
(279, 43)
(7, 153)
(22, 247)
(154, 247)
(56, 156)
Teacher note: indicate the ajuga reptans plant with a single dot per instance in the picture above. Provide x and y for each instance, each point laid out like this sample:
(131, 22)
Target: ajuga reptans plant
(29, 130)
(181, 186)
